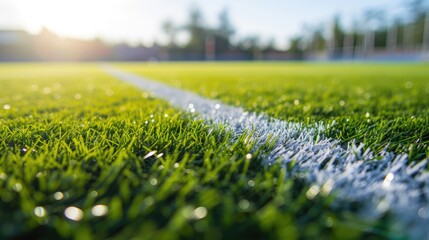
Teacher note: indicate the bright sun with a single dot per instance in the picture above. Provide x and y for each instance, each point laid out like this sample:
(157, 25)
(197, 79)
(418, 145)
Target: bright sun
(77, 18)
(131, 21)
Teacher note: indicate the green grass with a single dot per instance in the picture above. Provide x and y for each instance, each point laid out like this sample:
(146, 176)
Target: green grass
(374, 103)
(72, 136)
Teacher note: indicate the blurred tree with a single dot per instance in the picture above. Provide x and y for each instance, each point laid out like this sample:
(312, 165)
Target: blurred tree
(426, 33)
(296, 48)
(223, 33)
(408, 36)
(354, 39)
(417, 9)
(374, 20)
(250, 47)
(270, 46)
(414, 30)
(197, 35)
(392, 36)
(336, 42)
(171, 31)
(318, 41)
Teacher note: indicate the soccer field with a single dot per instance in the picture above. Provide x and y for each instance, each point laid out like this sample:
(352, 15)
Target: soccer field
(374, 103)
(84, 154)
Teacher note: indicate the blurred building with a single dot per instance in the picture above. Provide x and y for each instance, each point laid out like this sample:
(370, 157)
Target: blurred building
(17, 45)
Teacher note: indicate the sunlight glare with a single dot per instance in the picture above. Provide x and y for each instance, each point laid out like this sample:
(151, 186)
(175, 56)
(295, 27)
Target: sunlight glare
(78, 18)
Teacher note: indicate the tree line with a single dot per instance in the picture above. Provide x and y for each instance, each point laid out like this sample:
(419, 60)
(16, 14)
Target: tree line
(372, 35)
(212, 43)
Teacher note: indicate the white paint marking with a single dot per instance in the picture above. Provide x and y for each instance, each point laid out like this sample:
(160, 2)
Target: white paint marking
(380, 183)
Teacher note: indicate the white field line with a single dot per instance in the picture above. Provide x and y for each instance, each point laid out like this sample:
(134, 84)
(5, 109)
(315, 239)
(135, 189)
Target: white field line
(382, 182)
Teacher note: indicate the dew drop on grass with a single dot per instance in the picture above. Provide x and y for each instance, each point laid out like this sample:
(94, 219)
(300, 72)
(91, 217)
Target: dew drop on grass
(196, 214)
(93, 194)
(58, 195)
(388, 180)
(7, 106)
(342, 103)
(306, 108)
(244, 204)
(23, 151)
(17, 187)
(39, 211)
(248, 156)
(176, 165)
(149, 201)
(423, 212)
(77, 96)
(296, 102)
(383, 206)
(367, 114)
(217, 106)
(312, 192)
(329, 222)
(99, 210)
(191, 105)
(251, 183)
(200, 212)
(327, 187)
(150, 154)
(73, 213)
(153, 181)
(3, 176)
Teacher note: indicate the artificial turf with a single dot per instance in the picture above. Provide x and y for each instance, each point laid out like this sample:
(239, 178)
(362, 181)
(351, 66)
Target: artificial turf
(383, 105)
(74, 140)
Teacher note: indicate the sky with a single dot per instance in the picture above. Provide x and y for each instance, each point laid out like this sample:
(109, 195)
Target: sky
(140, 21)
